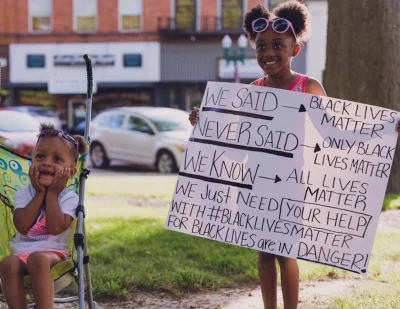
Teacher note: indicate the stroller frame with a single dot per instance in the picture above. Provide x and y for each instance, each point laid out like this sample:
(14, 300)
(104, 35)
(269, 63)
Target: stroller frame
(81, 271)
(79, 238)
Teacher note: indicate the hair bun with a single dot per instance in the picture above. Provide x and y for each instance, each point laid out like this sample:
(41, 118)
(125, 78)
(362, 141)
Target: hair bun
(255, 13)
(297, 14)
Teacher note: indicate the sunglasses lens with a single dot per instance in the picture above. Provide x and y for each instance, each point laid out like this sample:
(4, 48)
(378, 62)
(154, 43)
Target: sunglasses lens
(260, 25)
(66, 136)
(280, 25)
(71, 138)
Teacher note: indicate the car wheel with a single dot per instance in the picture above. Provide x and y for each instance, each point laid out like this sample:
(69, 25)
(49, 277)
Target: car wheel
(98, 156)
(166, 163)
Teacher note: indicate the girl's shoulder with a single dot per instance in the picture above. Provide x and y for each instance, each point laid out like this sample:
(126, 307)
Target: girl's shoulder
(313, 86)
(259, 82)
(300, 83)
(308, 84)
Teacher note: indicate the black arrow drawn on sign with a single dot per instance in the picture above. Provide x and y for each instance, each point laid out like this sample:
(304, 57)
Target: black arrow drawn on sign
(276, 179)
(316, 147)
(300, 109)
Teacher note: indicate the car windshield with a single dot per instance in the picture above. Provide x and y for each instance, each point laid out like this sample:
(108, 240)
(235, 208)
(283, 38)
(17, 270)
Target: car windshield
(17, 122)
(171, 121)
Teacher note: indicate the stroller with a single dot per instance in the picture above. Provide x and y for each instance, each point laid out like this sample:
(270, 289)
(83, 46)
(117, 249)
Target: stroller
(14, 173)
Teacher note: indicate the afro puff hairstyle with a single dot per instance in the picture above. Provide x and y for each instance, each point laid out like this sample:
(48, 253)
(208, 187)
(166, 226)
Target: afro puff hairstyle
(293, 11)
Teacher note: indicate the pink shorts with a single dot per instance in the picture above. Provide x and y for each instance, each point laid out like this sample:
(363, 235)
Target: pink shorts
(24, 256)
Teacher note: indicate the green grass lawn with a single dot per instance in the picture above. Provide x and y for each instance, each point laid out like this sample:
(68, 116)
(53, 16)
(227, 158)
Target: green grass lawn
(392, 201)
(131, 250)
(381, 288)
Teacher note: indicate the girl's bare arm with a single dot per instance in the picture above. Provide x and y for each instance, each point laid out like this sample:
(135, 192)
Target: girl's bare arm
(25, 217)
(56, 221)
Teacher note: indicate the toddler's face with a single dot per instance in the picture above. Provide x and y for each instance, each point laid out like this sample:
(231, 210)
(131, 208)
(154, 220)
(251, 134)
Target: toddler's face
(51, 156)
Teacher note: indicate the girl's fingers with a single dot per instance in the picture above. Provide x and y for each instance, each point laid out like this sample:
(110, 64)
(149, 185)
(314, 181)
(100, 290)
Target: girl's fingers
(66, 173)
(59, 176)
(36, 176)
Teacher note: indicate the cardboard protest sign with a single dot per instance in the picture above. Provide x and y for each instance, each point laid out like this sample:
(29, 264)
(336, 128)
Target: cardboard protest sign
(287, 173)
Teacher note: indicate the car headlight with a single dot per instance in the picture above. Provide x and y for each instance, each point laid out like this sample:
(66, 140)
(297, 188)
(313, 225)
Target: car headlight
(180, 148)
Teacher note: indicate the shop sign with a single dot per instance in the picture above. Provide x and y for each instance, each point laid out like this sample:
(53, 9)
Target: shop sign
(97, 60)
(247, 70)
(69, 86)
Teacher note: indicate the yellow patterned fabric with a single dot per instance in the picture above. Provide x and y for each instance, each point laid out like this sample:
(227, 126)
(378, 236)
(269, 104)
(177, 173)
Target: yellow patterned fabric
(14, 174)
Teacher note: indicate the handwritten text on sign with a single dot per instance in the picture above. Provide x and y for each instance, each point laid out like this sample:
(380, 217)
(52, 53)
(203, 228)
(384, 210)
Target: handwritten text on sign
(287, 173)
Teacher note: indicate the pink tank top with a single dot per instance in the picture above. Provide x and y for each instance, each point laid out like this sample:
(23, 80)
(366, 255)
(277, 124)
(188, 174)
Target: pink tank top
(299, 84)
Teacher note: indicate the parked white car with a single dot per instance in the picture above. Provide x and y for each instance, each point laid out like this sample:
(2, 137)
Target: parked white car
(41, 114)
(152, 136)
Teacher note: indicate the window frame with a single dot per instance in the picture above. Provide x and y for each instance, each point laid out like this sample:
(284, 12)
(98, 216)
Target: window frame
(41, 56)
(197, 21)
(195, 15)
(30, 21)
(220, 17)
(124, 60)
(75, 19)
(120, 29)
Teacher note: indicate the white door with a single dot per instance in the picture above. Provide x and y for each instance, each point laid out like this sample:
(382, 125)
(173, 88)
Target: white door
(111, 129)
(140, 140)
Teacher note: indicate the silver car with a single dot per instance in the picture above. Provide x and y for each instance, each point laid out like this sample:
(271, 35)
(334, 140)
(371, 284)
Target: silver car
(152, 136)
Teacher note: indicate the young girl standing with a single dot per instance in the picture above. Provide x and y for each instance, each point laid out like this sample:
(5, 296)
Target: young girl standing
(277, 37)
(44, 211)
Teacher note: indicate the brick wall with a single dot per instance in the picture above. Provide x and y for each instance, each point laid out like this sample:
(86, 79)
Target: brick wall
(252, 3)
(14, 21)
(107, 15)
(62, 16)
(152, 10)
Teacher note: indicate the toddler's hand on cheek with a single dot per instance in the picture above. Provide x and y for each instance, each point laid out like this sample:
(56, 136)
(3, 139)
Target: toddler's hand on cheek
(34, 176)
(61, 181)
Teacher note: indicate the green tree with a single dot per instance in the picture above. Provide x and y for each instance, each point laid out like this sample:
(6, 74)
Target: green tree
(363, 57)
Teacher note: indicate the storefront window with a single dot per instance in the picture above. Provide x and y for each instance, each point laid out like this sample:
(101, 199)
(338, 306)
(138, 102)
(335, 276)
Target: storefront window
(40, 15)
(85, 15)
(185, 14)
(132, 60)
(35, 61)
(130, 13)
(232, 14)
